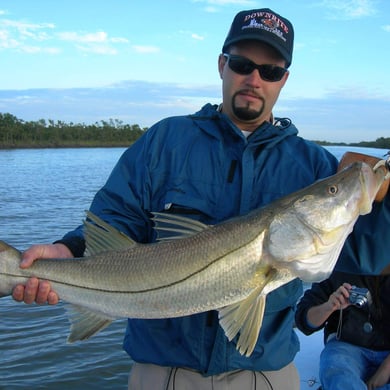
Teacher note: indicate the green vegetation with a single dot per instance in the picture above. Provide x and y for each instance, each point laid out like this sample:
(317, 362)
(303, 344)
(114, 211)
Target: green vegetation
(16, 133)
(381, 143)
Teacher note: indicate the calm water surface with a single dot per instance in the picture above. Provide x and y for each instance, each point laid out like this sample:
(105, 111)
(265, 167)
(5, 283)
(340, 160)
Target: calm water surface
(43, 194)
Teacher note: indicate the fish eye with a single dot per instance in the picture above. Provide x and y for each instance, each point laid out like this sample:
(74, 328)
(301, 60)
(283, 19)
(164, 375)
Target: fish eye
(333, 189)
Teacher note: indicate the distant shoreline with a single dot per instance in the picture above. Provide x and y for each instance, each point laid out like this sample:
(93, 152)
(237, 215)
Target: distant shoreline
(65, 146)
(16, 133)
(91, 144)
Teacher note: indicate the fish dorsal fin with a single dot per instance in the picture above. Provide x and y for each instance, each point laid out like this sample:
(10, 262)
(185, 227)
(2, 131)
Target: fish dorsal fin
(171, 226)
(85, 323)
(101, 237)
(245, 317)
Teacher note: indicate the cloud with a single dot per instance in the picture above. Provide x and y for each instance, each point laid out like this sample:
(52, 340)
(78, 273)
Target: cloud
(32, 38)
(335, 117)
(197, 37)
(135, 102)
(213, 6)
(226, 2)
(24, 31)
(145, 49)
(37, 49)
(72, 36)
(348, 9)
(386, 28)
(97, 42)
(7, 42)
(25, 37)
(93, 38)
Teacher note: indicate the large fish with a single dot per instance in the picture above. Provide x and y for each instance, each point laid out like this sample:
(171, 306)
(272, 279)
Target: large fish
(229, 267)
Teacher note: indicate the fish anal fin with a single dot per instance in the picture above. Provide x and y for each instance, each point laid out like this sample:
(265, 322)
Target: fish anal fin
(85, 323)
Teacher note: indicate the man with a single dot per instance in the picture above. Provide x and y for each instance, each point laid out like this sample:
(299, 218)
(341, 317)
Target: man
(356, 331)
(220, 162)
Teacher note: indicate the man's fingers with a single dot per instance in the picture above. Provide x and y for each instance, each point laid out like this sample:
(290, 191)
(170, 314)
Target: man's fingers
(42, 292)
(52, 298)
(30, 290)
(18, 293)
(35, 291)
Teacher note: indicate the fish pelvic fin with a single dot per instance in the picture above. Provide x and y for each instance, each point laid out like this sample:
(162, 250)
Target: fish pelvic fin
(85, 323)
(101, 237)
(246, 317)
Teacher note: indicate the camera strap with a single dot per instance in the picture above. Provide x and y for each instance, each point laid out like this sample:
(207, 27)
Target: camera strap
(367, 326)
(339, 325)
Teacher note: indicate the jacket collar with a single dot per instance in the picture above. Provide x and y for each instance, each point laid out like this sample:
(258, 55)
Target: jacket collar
(218, 125)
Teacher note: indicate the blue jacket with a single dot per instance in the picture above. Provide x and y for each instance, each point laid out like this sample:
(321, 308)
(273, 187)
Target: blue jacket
(202, 166)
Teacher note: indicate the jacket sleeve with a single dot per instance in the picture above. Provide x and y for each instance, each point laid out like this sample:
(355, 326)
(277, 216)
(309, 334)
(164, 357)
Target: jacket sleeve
(316, 295)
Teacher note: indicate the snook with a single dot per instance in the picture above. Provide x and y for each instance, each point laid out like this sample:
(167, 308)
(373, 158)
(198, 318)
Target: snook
(229, 267)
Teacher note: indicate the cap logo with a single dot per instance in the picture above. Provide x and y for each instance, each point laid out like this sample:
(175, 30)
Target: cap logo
(267, 22)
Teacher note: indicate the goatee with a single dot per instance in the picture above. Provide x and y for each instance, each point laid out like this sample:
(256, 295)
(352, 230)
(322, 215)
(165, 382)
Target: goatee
(246, 113)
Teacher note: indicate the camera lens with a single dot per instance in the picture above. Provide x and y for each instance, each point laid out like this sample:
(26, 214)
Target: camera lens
(360, 302)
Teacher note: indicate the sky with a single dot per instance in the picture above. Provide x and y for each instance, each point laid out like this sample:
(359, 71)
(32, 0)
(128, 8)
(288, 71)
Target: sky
(86, 61)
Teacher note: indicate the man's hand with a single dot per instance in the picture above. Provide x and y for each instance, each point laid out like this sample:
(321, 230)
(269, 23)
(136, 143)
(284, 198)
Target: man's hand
(35, 290)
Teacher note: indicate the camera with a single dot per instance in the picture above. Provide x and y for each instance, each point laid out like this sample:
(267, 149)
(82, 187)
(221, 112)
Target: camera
(359, 296)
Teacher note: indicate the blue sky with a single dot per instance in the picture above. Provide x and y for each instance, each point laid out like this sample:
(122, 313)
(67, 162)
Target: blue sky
(139, 61)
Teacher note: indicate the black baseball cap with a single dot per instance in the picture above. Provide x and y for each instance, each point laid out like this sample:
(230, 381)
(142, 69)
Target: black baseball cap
(263, 25)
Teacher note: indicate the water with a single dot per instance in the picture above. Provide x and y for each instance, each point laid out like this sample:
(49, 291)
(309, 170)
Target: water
(43, 194)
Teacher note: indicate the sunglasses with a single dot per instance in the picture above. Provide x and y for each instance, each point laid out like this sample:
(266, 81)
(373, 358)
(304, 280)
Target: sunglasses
(242, 65)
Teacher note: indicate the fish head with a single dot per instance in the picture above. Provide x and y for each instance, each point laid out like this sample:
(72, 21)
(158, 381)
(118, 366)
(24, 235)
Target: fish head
(308, 238)
(338, 200)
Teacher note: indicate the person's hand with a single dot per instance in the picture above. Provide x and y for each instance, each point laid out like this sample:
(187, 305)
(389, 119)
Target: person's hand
(35, 290)
(381, 376)
(340, 298)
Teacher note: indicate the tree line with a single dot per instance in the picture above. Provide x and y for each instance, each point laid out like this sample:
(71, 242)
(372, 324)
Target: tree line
(16, 133)
(381, 143)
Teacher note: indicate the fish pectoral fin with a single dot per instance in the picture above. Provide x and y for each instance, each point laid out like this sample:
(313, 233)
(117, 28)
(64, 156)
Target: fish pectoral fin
(101, 237)
(175, 226)
(85, 323)
(244, 317)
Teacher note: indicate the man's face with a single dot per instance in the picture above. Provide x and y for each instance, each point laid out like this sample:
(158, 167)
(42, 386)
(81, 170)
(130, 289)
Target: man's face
(248, 100)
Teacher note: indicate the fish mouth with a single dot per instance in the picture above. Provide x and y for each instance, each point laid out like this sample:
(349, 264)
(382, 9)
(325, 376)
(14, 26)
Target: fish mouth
(371, 180)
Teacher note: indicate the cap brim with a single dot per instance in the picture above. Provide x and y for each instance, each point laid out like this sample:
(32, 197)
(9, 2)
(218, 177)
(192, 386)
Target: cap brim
(255, 37)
